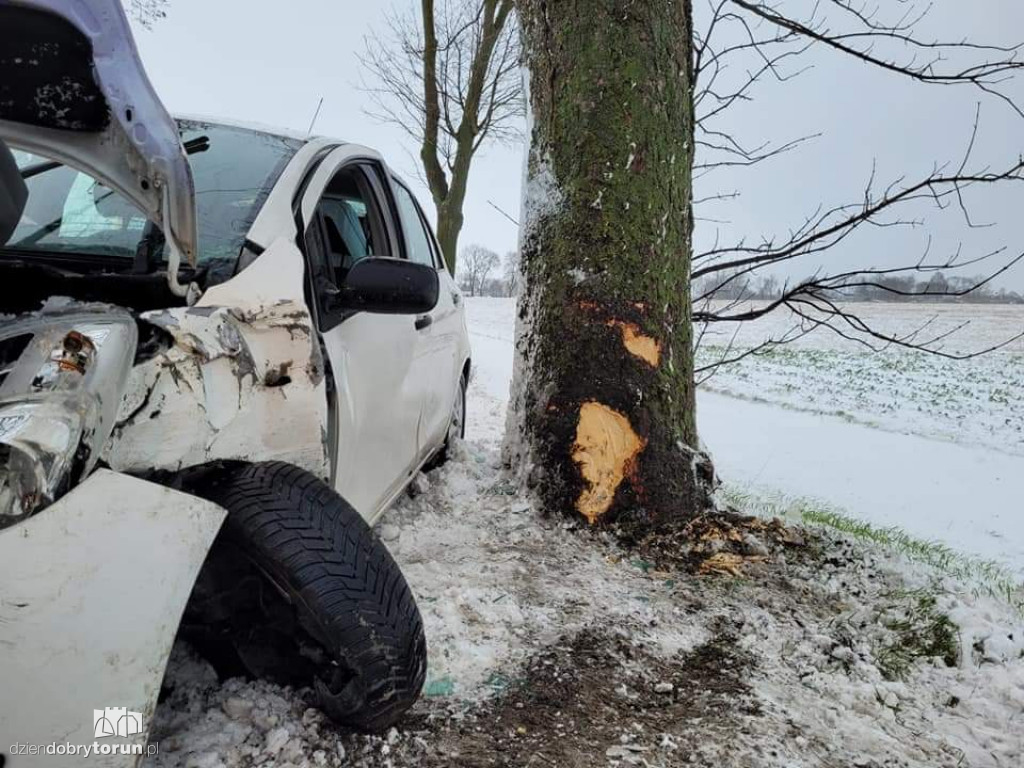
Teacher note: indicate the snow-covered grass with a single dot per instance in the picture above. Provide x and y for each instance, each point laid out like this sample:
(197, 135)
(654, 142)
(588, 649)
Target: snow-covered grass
(970, 402)
(990, 576)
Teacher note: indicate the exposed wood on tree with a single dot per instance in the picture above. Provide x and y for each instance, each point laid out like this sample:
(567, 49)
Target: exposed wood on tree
(605, 450)
(638, 344)
(603, 419)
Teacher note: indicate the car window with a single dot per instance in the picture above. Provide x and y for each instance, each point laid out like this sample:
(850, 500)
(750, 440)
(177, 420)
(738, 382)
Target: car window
(417, 239)
(347, 241)
(352, 223)
(66, 206)
(234, 170)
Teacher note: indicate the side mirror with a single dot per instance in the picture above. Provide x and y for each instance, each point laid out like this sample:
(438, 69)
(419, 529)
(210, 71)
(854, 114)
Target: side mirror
(13, 194)
(389, 287)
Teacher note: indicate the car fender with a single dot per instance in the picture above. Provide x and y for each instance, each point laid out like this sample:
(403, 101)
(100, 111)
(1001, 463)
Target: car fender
(92, 590)
(243, 380)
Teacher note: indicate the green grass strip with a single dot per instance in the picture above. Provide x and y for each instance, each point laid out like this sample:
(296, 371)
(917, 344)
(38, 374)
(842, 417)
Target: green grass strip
(992, 577)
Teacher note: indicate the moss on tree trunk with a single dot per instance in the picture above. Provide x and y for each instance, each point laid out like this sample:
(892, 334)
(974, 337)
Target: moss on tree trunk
(604, 411)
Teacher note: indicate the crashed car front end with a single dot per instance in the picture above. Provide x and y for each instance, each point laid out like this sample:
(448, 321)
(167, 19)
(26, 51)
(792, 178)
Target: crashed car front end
(98, 551)
(116, 381)
(238, 379)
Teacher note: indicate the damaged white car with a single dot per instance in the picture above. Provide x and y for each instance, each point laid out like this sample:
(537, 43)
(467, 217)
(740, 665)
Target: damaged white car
(223, 353)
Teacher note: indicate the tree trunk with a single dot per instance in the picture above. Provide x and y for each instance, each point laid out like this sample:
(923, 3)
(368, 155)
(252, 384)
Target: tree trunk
(603, 414)
(449, 225)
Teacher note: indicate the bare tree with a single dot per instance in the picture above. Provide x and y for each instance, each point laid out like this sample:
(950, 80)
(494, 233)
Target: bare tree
(745, 42)
(476, 267)
(511, 273)
(625, 100)
(449, 77)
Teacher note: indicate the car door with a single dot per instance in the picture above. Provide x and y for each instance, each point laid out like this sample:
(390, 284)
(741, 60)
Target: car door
(375, 429)
(439, 342)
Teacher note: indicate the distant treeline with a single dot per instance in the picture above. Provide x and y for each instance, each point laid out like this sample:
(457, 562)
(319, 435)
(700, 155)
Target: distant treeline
(931, 287)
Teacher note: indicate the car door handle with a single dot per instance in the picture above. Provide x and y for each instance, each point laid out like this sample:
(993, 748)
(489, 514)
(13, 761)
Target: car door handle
(423, 322)
(456, 299)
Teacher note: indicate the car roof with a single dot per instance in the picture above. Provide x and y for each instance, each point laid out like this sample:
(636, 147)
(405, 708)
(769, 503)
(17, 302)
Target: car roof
(257, 127)
(272, 130)
(311, 144)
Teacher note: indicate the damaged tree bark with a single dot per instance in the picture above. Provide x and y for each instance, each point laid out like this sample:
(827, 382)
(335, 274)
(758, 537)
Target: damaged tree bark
(603, 415)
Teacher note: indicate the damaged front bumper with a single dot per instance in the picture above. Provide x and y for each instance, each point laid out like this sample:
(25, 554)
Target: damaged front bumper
(92, 590)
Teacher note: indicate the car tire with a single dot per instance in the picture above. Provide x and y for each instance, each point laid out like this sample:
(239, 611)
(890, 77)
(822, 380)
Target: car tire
(456, 425)
(340, 585)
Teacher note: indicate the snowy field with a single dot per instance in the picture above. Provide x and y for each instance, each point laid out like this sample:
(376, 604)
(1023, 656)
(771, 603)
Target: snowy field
(969, 402)
(894, 438)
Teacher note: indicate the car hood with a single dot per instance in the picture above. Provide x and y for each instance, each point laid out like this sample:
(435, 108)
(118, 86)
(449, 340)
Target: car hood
(72, 88)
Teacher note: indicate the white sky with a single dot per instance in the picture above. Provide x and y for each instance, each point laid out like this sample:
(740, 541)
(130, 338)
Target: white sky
(271, 62)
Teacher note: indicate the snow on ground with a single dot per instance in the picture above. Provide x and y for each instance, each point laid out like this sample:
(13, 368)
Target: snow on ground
(971, 499)
(969, 402)
(494, 580)
(553, 647)
(797, 665)
(491, 334)
(966, 493)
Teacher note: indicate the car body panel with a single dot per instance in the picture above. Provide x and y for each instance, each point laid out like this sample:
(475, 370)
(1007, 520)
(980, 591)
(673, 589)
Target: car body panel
(97, 631)
(137, 152)
(449, 328)
(443, 342)
(244, 379)
(378, 411)
(276, 218)
(380, 380)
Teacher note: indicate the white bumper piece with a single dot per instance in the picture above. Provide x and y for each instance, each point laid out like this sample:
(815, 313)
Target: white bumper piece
(91, 593)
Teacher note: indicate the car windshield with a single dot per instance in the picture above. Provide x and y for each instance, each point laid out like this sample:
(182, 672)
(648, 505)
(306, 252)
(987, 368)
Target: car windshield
(69, 212)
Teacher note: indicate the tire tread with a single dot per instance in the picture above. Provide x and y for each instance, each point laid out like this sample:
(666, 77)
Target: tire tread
(315, 545)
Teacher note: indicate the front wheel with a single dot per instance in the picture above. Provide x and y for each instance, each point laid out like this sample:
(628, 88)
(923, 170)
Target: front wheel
(305, 594)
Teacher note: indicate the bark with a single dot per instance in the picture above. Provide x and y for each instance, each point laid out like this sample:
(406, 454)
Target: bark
(431, 108)
(603, 415)
(449, 225)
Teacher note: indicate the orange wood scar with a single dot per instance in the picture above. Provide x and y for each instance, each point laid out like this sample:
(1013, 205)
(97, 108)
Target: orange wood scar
(637, 343)
(606, 448)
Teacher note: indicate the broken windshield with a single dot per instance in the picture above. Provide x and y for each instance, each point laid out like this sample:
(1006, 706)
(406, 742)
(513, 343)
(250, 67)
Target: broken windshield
(69, 212)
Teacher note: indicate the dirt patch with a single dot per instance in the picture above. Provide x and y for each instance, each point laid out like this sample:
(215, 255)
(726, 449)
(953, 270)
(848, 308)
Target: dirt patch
(601, 696)
(722, 543)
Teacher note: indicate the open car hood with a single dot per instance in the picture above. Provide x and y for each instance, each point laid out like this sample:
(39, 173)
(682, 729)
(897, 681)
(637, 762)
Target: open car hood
(72, 88)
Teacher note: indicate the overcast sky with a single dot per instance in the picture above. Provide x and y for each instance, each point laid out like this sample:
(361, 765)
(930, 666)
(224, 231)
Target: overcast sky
(271, 63)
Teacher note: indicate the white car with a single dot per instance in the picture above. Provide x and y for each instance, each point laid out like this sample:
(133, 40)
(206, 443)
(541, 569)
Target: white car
(200, 324)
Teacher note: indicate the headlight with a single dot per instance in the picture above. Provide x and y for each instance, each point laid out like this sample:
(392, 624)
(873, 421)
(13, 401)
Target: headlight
(62, 376)
(39, 444)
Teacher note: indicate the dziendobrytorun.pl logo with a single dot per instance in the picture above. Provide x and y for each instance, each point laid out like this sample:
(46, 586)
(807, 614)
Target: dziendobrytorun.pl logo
(107, 723)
